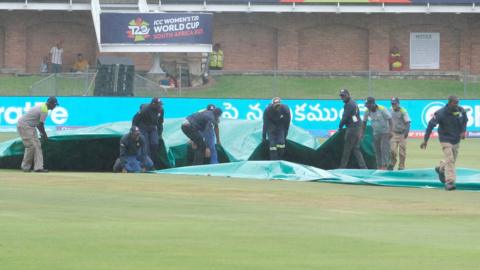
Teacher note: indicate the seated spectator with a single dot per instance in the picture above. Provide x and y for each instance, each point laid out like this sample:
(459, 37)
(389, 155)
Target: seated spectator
(80, 65)
(133, 155)
(169, 81)
(44, 65)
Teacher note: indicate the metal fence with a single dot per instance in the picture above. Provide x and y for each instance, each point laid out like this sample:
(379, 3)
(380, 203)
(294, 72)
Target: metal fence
(83, 84)
(261, 84)
(64, 84)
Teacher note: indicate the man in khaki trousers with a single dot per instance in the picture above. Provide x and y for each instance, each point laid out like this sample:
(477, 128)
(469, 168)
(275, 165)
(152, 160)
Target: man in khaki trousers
(452, 121)
(398, 142)
(27, 129)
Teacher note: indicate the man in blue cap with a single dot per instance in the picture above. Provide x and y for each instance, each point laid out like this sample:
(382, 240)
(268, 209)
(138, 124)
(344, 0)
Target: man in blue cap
(276, 123)
(150, 122)
(194, 126)
(133, 157)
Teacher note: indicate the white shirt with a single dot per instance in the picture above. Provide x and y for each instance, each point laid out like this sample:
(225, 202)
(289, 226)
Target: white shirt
(56, 55)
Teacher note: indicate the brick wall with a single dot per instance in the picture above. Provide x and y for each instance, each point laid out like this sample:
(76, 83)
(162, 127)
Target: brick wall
(251, 41)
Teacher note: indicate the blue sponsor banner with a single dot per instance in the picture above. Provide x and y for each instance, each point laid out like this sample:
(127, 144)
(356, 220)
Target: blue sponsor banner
(320, 117)
(156, 28)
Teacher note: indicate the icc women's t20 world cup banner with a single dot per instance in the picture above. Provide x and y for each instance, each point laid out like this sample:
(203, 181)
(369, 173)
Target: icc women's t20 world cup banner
(156, 28)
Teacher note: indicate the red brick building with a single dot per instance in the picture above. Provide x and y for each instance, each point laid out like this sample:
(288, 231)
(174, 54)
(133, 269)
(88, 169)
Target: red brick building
(290, 41)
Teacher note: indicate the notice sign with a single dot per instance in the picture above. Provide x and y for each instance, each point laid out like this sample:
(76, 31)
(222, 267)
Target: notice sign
(424, 50)
(156, 28)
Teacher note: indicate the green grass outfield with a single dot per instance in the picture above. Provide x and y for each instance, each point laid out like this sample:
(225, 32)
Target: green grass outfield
(119, 221)
(68, 220)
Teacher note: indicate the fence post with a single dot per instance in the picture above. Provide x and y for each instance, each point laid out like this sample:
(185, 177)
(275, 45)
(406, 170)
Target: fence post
(55, 83)
(180, 80)
(274, 88)
(369, 82)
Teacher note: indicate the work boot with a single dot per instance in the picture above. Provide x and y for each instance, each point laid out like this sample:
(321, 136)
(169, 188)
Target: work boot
(441, 175)
(450, 187)
(41, 170)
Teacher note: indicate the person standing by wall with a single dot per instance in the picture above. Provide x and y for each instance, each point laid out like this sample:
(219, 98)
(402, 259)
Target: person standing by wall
(382, 131)
(44, 65)
(401, 127)
(351, 119)
(56, 53)
(27, 129)
(452, 125)
(216, 58)
(276, 122)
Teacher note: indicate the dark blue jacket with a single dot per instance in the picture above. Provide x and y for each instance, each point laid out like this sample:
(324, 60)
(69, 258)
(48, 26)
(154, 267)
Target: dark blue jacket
(350, 113)
(131, 147)
(450, 124)
(149, 117)
(202, 120)
(276, 119)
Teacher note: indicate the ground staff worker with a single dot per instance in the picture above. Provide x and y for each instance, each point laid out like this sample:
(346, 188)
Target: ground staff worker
(133, 157)
(351, 119)
(212, 138)
(276, 122)
(452, 124)
(382, 131)
(27, 129)
(192, 128)
(216, 58)
(150, 122)
(401, 127)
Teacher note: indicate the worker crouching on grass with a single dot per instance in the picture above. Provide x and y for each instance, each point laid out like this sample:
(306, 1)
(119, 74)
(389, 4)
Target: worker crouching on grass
(133, 156)
(276, 122)
(452, 125)
(194, 126)
(27, 129)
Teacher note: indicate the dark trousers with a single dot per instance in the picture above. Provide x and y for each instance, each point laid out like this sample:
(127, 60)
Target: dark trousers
(196, 137)
(276, 138)
(352, 143)
(151, 139)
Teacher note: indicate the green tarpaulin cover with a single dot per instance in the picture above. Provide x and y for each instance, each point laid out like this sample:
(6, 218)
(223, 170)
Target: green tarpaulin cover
(96, 148)
(242, 152)
(467, 179)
